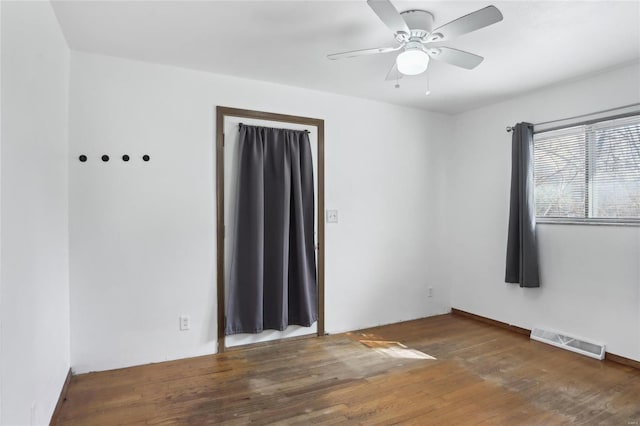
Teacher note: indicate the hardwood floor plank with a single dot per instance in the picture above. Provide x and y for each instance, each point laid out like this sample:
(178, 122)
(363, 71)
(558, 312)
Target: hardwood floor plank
(482, 375)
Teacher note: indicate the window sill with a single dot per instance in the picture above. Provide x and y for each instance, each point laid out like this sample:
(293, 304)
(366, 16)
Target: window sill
(599, 222)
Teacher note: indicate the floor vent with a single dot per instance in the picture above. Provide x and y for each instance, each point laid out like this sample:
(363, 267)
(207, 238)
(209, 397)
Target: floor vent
(593, 350)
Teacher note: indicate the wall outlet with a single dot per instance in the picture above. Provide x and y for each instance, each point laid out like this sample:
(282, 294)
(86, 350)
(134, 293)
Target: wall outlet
(185, 322)
(430, 292)
(332, 216)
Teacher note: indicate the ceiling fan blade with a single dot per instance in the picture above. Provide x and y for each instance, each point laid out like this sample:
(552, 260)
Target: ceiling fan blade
(455, 57)
(363, 52)
(389, 15)
(394, 74)
(466, 24)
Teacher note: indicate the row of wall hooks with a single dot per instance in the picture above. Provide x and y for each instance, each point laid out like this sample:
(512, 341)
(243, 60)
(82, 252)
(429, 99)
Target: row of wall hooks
(83, 158)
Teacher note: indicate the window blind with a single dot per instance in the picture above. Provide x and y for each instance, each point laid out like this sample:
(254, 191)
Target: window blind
(589, 172)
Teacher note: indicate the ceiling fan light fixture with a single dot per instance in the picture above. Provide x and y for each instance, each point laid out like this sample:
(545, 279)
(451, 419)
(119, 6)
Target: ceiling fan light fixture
(412, 62)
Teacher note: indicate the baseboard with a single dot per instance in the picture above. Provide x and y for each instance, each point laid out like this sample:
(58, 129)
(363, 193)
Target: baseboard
(608, 356)
(61, 399)
(490, 321)
(622, 360)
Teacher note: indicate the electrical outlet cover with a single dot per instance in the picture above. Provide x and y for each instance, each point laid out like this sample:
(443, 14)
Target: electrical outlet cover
(185, 322)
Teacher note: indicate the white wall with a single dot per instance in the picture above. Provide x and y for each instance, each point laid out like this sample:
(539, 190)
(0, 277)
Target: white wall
(590, 275)
(34, 286)
(142, 235)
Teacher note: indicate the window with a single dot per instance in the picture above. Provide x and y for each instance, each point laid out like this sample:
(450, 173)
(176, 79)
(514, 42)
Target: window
(589, 173)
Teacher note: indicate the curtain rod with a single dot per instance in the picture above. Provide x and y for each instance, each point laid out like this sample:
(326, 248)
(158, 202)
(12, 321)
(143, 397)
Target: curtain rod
(304, 130)
(511, 128)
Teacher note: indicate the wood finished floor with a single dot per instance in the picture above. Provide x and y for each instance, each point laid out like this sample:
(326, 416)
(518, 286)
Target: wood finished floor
(482, 375)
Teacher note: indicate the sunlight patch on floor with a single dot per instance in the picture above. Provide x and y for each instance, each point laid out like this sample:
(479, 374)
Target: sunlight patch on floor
(395, 349)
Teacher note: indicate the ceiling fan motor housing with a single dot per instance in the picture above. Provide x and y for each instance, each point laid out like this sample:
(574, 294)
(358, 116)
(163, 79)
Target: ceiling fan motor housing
(419, 21)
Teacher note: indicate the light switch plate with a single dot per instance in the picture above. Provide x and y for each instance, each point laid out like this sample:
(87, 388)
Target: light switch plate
(332, 216)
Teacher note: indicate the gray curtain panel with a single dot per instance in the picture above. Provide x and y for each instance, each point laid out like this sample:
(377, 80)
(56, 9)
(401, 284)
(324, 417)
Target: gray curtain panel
(522, 246)
(273, 265)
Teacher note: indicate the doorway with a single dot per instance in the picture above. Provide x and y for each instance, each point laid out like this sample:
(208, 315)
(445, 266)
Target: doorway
(228, 121)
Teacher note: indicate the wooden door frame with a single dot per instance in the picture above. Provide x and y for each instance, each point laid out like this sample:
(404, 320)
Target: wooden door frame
(221, 113)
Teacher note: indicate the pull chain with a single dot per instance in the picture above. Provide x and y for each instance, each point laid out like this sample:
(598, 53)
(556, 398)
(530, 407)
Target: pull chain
(428, 91)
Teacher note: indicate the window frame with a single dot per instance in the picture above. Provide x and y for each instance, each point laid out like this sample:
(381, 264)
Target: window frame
(588, 166)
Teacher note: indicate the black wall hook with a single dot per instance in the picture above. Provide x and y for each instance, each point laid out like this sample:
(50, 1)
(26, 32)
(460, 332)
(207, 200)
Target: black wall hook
(105, 158)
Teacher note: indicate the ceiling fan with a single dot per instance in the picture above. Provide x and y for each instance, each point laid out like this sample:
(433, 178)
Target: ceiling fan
(413, 30)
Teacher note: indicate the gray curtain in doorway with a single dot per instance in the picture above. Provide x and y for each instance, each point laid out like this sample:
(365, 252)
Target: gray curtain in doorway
(522, 246)
(273, 265)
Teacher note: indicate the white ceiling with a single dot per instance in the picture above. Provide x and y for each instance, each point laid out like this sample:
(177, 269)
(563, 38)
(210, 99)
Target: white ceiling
(538, 43)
